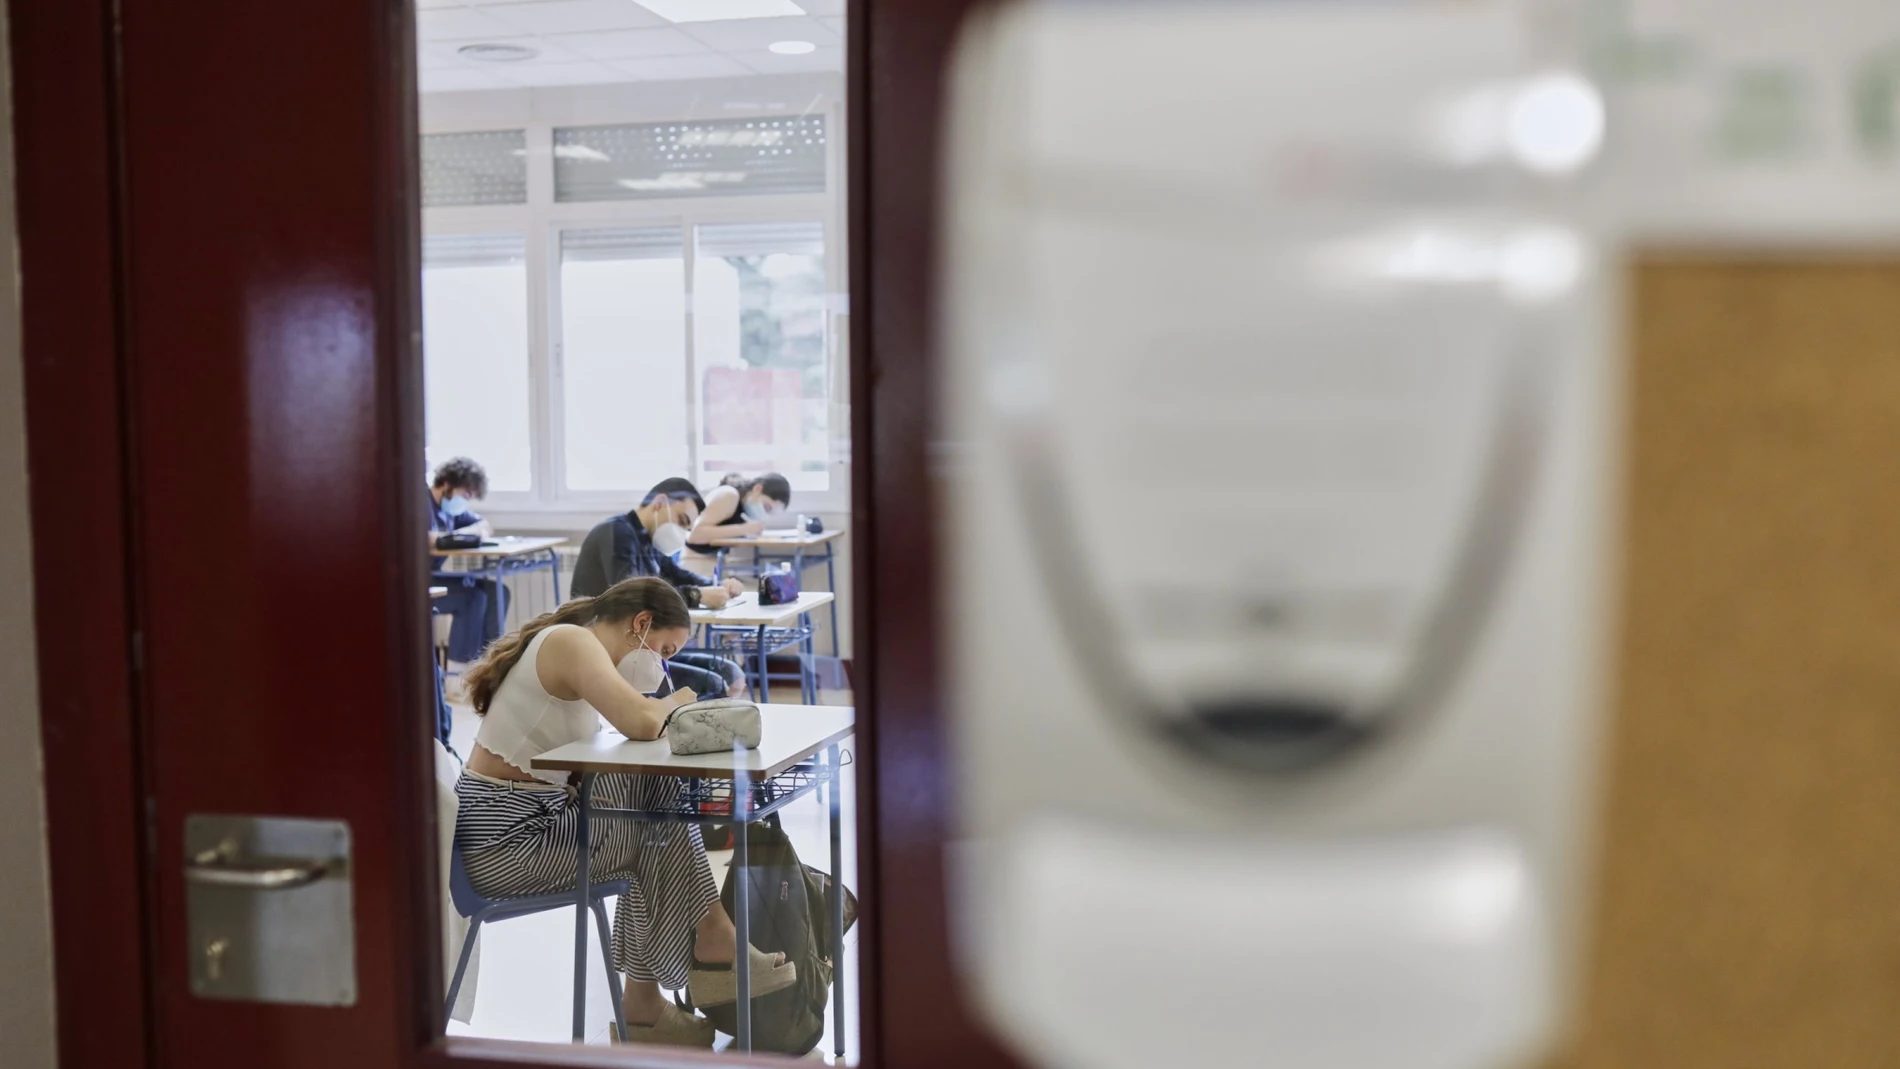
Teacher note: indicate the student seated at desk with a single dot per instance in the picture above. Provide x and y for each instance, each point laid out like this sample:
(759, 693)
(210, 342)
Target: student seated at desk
(475, 603)
(641, 543)
(738, 508)
(549, 684)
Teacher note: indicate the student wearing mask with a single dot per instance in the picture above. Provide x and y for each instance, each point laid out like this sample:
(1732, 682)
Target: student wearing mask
(738, 508)
(552, 683)
(475, 603)
(642, 542)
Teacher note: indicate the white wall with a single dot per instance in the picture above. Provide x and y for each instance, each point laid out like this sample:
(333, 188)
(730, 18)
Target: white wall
(26, 982)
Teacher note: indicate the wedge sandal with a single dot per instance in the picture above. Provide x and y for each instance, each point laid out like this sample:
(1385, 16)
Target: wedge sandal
(717, 985)
(675, 1028)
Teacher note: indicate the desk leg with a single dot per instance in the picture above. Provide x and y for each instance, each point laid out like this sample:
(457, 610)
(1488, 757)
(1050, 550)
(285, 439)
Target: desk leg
(501, 596)
(807, 672)
(554, 570)
(765, 684)
(831, 584)
(581, 904)
(837, 911)
(742, 909)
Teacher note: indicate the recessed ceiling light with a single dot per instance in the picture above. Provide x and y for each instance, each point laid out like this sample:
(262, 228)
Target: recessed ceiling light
(497, 53)
(793, 48)
(719, 10)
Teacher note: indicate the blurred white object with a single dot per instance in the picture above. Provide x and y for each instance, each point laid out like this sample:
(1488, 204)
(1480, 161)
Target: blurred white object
(1302, 288)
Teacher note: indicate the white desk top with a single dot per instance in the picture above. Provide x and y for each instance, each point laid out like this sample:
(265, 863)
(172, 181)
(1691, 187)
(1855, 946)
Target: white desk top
(438, 592)
(789, 734)
(745, 610)
(785, 539)
(508, 546)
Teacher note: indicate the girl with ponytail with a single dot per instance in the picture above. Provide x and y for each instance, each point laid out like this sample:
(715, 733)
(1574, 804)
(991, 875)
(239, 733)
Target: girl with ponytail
(549, 684)
(738, 508)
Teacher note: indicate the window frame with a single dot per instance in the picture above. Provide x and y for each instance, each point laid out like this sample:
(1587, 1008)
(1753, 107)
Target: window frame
(542, 219)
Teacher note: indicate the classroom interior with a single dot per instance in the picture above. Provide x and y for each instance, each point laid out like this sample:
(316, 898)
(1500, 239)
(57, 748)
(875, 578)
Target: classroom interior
(634, 270)
(633, 273)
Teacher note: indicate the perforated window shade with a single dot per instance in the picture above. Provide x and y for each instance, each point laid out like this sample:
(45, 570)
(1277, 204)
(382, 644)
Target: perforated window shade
(644, 243)
(486, 167)
(472, 250)
(762, 239)
(725, 158)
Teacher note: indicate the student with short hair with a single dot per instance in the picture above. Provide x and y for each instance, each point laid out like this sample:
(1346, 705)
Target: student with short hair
(476, 604)
(552, 683)
(642, 542)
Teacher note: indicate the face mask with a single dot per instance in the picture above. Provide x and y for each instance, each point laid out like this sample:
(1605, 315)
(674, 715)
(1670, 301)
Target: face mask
(755, 512)
(455, 505)
(643, 669)
(670, 538)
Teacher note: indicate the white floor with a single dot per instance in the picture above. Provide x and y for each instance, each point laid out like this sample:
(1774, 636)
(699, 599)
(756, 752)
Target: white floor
(526, 986)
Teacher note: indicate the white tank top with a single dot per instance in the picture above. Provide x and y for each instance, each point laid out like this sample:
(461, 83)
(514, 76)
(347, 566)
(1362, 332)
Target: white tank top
(524, 721)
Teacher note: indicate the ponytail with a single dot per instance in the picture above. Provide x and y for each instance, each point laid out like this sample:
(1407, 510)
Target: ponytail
(485, 678)
(622, 601)
(776, 486)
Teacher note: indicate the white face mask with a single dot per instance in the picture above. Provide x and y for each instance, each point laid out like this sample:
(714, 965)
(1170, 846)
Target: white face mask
(669, 538)
(643, 669)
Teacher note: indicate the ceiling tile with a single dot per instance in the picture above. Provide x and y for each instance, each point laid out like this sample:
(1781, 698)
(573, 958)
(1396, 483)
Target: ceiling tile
(740, 35)
(445, 53)
(576, 16)
(437, 57)
(460, 24)
(822, 7)
(669, 68)
(562, 74)
(459, 78)
(835, 25)
(629, 44)
(764, 62)
(719, 10)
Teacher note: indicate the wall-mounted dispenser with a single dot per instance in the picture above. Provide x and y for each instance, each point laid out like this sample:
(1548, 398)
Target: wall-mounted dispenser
(1281, 408)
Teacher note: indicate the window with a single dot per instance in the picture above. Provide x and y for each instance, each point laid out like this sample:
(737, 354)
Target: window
(475, 353)
(490, 167)
(759, 331)
(735, 157)
(623, 357)
(600, 314)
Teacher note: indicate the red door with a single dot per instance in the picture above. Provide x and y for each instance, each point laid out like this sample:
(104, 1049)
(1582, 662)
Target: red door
(218, 214)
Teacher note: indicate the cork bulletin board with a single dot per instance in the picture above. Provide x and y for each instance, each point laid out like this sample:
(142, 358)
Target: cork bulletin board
(1748, 898)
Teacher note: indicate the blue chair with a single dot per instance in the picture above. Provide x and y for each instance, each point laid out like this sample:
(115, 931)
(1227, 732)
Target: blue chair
(480, 911)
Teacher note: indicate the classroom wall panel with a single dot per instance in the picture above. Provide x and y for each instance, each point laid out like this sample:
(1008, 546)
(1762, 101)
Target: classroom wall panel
(1748, 912)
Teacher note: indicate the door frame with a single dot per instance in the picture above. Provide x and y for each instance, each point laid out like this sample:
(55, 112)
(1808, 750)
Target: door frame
(67, 180)
(68, 124)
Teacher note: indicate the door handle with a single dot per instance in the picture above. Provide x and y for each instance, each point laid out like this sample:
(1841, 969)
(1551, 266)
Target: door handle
(266, 877)
(294, 944)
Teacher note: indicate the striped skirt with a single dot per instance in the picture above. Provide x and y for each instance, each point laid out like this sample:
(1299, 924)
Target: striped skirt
(518, 839)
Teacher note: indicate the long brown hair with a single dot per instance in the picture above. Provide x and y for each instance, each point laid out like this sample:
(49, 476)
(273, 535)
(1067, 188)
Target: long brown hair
(622, 601)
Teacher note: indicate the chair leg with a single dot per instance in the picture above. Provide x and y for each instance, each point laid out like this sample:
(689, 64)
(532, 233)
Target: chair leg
(461, 967)
(613, 975)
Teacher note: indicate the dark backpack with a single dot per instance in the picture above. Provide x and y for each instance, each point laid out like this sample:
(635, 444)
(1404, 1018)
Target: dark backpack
(790, 916)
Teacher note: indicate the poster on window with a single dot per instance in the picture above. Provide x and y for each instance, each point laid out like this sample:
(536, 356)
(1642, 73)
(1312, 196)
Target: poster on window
(752, 406)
